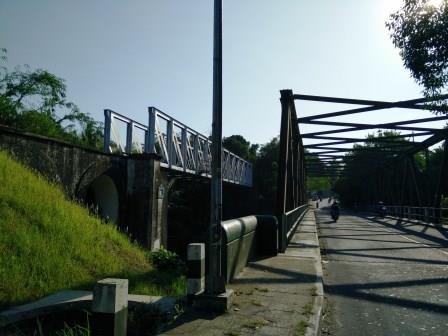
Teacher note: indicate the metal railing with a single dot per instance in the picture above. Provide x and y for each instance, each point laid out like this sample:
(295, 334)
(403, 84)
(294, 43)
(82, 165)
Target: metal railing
(292, 218)
(424, 214)
(287, 225)
(180, 147)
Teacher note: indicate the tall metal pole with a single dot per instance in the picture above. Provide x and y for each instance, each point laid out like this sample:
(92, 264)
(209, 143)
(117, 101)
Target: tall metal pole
(214, 282)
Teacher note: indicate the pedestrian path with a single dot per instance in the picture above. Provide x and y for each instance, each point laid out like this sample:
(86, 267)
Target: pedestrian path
(279, 295)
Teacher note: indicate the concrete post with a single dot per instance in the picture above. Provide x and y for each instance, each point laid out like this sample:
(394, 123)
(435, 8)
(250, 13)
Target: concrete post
(110, 308)
(196, 269)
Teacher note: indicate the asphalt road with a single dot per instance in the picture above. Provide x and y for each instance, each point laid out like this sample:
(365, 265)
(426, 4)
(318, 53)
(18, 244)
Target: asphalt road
(383, 277)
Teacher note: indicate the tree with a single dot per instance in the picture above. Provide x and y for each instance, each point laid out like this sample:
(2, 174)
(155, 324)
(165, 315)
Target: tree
(318, 183)
(381, 170)
(420, 30)
(265, 175)
(238, 145)
(35, 101)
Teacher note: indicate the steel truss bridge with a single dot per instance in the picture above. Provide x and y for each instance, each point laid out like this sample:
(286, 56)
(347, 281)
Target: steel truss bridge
(180, 148)
(398, 181)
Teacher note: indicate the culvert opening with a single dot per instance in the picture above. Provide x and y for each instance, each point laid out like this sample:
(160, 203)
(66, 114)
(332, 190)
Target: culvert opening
(103, 198)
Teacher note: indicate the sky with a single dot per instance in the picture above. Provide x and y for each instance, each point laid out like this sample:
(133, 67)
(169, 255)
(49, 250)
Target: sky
(129, 55)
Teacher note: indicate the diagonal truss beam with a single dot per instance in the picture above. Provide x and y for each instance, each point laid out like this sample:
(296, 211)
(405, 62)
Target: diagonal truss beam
(375, 105)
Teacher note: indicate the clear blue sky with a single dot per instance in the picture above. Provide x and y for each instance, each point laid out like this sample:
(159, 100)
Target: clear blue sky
(128, 55)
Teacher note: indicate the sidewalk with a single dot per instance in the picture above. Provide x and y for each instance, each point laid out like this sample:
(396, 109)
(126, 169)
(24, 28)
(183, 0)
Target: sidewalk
(281, 295)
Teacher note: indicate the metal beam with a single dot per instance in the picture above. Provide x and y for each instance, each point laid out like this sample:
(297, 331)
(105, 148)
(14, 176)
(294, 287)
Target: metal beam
(353, 129)
(377, 105)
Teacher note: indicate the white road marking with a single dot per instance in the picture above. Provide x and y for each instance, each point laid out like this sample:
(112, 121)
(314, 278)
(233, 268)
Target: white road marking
(415, 241)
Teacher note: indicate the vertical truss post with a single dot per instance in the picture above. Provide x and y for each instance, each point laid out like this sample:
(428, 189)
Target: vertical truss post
(403, 198)
(414, 180)
(442, 185)
(302, 174)
(107, 127)
(291, 179)
(286, 99)
(296, 172)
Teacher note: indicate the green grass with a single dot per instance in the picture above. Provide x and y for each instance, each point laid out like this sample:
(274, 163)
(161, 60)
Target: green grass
(48, 243)
(300, 328)
(255, 323)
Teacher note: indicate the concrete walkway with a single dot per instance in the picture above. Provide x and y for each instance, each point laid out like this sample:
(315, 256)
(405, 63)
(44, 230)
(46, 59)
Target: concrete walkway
(281, 295)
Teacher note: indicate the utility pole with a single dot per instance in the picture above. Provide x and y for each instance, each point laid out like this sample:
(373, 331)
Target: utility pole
(214, 281)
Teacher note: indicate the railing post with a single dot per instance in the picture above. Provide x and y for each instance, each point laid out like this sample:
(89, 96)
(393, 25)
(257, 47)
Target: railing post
(169, 143)
(107, 126)
(150, 141)
(129, 136)
(282, 231)
(207, 156)
(183, 148)
(197, 166)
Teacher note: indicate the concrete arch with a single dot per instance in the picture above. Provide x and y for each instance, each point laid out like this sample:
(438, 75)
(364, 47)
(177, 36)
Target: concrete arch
(103, 195)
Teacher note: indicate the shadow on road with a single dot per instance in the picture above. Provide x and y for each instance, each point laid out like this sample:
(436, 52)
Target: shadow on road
(366, 291)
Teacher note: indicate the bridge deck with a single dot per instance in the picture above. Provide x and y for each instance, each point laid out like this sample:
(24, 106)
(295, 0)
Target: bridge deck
(384, 276)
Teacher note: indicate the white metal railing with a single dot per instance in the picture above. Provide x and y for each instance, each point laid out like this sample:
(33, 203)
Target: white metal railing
(424, 214)
(180, 147)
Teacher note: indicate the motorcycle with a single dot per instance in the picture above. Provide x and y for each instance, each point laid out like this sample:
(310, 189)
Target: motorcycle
(382, 211)
(334, 214)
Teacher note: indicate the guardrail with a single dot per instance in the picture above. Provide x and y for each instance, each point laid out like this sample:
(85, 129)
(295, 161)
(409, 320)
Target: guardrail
(288, 224)
(180, 147)
(424, 214)
(244, 238)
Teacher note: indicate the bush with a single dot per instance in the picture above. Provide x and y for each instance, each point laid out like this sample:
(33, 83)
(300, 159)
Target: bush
(164, 260)
(444, 202)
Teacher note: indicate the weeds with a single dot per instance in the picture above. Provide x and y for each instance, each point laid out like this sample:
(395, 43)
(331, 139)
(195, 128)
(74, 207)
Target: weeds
(49, 243)
(164, 260)
(255, 323)
(308, 309)
(300, 328)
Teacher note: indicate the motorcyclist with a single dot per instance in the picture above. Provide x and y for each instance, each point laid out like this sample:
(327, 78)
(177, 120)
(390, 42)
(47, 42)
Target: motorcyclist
(335, 209)
(381, 209)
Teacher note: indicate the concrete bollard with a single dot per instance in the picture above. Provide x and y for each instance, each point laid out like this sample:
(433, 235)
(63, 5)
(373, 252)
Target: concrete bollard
(196, 269)
(110, 308)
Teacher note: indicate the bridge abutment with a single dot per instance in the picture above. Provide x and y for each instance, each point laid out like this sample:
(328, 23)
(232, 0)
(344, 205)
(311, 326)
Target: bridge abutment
(126, 190)
(147, 200)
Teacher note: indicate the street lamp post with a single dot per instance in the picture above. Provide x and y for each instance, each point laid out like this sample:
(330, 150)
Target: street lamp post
(214, 281)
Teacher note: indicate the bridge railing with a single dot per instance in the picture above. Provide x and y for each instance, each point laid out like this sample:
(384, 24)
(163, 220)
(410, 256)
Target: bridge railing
(288, 224)
(424, 214)
(180, 147)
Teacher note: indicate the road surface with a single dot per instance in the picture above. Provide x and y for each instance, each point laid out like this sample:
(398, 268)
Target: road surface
(383, 277)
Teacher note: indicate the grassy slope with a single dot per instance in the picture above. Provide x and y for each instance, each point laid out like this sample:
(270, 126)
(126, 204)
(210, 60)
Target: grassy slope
(48, 243)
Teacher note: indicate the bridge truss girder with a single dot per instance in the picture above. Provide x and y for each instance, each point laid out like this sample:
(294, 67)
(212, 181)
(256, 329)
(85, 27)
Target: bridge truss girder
(398, 179)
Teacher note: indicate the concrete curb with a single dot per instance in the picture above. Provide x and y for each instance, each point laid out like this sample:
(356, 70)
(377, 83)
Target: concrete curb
(318, 305)
(76, 300)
